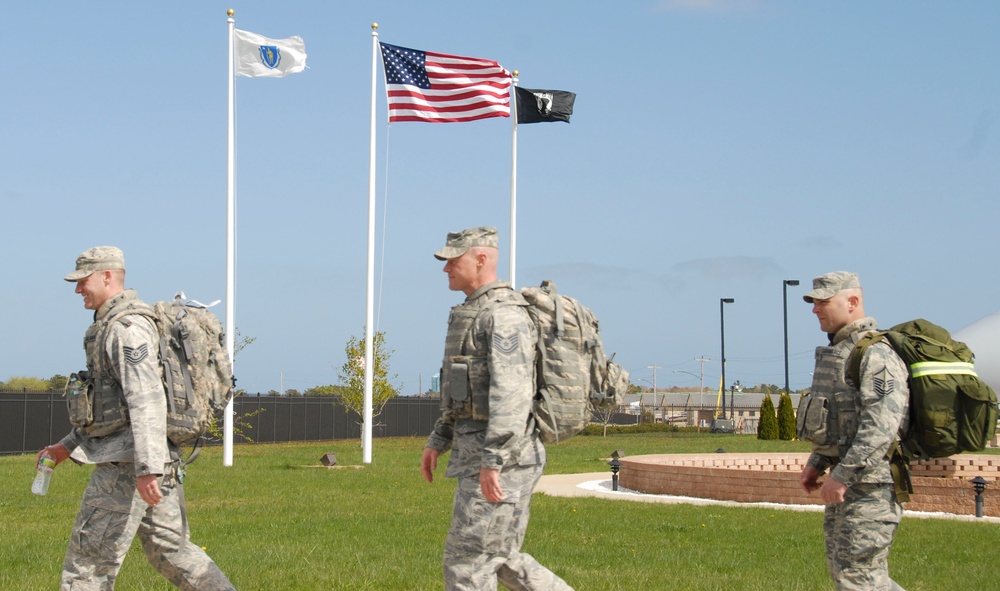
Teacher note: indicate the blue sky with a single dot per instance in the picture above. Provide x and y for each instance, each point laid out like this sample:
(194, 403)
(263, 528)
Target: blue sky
(716, 149)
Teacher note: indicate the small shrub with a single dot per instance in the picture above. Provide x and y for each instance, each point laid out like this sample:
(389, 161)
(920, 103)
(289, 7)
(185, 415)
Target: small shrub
(786, 418)
(767, 428)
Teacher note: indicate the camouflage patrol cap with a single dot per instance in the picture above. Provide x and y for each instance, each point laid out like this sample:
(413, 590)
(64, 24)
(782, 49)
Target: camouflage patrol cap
(459, 242)
(99, 258)
(827, 286)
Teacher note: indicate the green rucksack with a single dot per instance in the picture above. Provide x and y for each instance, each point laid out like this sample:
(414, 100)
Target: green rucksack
(573, 377)
(951, 409)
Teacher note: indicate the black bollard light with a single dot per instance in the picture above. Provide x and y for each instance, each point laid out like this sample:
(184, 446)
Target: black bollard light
(615, 467)
(979, 484)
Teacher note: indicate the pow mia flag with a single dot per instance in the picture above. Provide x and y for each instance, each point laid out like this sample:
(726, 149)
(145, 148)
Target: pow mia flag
(536, 106)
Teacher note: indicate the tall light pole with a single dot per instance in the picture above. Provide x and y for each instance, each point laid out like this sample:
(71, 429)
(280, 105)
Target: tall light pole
(722, 324)
(702, 360)
(701, 391)
(784, 302)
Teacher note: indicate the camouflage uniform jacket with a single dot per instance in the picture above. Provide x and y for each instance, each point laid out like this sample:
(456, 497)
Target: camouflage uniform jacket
(131, 353)
(870, 416)
(829, 379)
(488, 384)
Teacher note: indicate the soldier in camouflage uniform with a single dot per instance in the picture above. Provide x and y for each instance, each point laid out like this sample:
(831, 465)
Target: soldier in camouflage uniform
(134, 487)
(851, 428)
(487, 386)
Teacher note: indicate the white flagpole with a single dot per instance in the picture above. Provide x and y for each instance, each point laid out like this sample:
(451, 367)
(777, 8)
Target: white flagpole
(227, 435)
(366, 437)
(513, 181)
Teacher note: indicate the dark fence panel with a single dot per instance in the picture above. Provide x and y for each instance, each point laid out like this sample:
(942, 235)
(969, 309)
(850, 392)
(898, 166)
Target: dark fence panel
(12, 407)
(31, 420)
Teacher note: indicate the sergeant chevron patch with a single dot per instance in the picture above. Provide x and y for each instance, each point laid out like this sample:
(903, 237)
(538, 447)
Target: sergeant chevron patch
(505, 344)
(134, 355)
(883, 386)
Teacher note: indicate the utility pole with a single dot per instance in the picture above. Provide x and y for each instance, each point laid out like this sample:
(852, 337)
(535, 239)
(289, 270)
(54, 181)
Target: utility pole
(702, 360)
(654, 367)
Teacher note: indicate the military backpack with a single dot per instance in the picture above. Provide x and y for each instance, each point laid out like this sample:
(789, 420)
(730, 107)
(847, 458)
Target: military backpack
(573, 377)
(195, 368)
(951, 409)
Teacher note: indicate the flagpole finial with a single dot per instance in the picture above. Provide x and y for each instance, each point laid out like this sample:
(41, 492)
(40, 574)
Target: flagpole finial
(515, 73)
(374, 26)
(230, 13)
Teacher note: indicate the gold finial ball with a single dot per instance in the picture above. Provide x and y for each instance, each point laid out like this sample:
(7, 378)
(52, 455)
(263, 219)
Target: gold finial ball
(374, 26)
(230, 12)
(515, 72)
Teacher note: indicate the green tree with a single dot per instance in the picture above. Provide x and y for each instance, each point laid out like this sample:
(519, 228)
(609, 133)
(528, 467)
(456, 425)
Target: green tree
(26, 383)
(241, 423)
(330, 390)
(352, 375)
(786, 418)
(58, 382)
(767, 428)
(241, 342)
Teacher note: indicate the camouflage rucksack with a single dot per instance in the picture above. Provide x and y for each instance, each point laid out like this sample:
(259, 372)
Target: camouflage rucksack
(572, 375)
(194, 365)
(951, 409)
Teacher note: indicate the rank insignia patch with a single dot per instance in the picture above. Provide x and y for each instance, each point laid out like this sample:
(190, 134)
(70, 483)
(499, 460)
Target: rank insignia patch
(134, 355)
(883, 386)
(505, 344)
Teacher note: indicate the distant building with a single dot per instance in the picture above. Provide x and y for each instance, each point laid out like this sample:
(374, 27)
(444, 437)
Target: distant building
(696, 409)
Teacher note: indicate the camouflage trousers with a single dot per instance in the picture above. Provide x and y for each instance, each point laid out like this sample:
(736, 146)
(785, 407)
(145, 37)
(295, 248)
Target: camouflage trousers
(484, 541)
(859, 535)
(111, 514)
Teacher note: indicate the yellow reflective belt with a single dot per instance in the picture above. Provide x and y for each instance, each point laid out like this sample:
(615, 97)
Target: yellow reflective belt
(930, 368)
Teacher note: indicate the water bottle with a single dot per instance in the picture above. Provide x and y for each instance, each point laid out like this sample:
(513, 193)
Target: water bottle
(46, 464)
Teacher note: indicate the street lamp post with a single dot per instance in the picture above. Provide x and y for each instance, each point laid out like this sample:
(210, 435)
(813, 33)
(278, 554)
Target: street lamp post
(653, 384)
(701, 382)
(784, 301)
(701, 392)
(722, 325)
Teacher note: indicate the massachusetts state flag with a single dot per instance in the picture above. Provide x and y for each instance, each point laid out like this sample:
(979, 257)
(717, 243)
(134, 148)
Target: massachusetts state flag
(258, 56)
(441, 88)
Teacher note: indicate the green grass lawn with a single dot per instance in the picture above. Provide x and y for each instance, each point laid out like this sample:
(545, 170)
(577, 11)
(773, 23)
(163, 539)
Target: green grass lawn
(273, 522)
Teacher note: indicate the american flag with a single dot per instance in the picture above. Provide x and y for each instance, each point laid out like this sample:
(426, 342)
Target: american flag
(441, 88)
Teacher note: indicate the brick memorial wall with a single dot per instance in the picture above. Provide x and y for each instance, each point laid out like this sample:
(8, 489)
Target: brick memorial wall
(940, 485)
